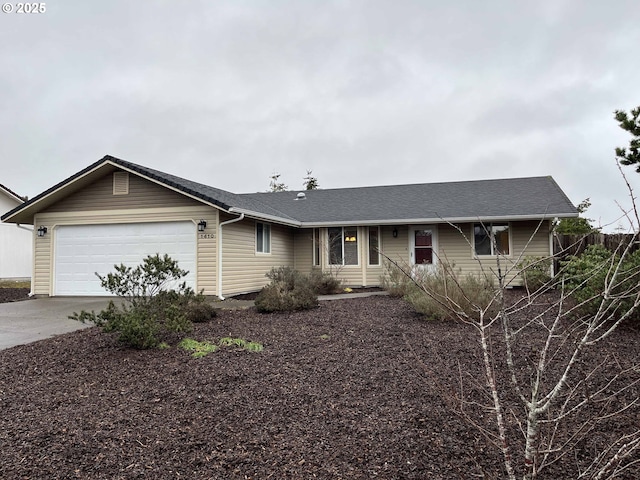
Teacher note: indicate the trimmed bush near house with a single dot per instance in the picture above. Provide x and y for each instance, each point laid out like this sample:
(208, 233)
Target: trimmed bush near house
(588, 279)
(439, 292)
(289, 290)
(395, 281)
(535, 272)
(324, 283)
(450, 291)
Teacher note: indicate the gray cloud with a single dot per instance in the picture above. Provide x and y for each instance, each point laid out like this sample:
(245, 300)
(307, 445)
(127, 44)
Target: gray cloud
(361, 92)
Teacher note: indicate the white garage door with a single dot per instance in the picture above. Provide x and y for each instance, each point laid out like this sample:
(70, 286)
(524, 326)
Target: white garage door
(82, 250)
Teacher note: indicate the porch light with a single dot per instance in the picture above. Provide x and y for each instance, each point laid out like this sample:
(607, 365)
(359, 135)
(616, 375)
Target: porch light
(202, 224)
(395, 232)
(42, 230)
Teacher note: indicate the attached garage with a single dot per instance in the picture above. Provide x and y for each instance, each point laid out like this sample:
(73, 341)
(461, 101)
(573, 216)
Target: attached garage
(82, 250)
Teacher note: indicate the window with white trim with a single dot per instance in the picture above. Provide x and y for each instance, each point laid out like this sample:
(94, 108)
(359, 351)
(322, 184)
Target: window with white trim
(374, 245)
(343, 245)
(263, 237)
(491, 238)
(316, 247)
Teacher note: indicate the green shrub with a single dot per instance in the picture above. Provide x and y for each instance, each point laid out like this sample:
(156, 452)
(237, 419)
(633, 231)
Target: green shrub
(151, 310)
(324, 283)
(587, 274)
(197, 349)
(288, 290)
(153, 276)
(200, 311)
(201, 349)
(536, 272)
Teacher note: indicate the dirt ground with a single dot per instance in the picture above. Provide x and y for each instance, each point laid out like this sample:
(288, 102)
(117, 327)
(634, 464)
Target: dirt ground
(13, 294)
(356, 389)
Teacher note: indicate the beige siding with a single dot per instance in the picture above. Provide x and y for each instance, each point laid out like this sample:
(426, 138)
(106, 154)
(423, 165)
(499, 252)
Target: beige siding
(243, 269)
(303, 250)
(206, 247)
(351, 275)
(42, 265)
(207, 250)
(374, 273)
(361, 275)
(525, 241)
(142, 194)
(397, 249)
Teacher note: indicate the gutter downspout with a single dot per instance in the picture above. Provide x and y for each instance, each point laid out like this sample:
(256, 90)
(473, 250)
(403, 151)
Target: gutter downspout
(24, 228)
(241, 217)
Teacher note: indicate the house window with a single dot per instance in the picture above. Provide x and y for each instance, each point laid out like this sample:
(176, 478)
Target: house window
(343, 245)
(423, 246)
(316, 247)
(491, 238)
(374, 246)
(263, 238)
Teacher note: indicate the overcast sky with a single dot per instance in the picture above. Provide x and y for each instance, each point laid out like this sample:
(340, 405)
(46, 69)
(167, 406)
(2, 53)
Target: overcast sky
(360, 92)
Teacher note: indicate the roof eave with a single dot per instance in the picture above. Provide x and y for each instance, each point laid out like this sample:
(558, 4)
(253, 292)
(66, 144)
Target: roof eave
(11, 195)
(263, 216)
(35, 202)
(172, 186)
(417, 221)
(31, 207)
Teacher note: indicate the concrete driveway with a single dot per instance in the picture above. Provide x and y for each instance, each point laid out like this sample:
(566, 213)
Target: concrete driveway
(31, 320)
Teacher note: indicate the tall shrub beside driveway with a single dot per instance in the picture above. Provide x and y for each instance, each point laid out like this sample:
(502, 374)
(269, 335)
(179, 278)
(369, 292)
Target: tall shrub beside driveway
(155, 303)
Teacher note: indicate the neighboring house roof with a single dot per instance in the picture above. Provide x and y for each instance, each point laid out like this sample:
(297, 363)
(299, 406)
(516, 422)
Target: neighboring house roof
(517, 198)
(13, 195)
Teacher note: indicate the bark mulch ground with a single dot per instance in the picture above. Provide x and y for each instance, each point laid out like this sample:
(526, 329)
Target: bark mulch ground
(359, 388)
(13, 294)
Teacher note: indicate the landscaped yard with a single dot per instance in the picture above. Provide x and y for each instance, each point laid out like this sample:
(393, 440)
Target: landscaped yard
(359, 388)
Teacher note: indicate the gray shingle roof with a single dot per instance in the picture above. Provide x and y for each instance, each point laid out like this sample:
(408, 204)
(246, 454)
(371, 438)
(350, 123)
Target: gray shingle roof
(516, 198)
(533, 197)
(216, 196)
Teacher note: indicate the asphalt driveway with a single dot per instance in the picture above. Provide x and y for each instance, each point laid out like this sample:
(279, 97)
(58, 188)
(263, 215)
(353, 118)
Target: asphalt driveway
(37, 319)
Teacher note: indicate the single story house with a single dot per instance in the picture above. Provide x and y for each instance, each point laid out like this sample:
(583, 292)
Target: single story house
(15, 243)
(115, 211)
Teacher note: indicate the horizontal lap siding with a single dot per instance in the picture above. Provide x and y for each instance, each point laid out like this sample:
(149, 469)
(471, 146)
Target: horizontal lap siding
(142, 194)
(374, 273)
(207, 251)
(243, 269)
(525, 241)
(303, 250)
(397, 249)
(528, 239)
(359, 275)
(145, 202)
(42, 265)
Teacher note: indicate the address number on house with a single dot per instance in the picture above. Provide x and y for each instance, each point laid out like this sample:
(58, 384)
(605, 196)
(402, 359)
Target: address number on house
(206, 235)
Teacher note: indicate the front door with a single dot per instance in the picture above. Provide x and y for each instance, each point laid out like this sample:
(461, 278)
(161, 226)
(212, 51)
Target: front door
(423, 248)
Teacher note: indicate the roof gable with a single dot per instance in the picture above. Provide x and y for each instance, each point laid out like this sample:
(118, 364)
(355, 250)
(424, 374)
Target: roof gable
(11, 194)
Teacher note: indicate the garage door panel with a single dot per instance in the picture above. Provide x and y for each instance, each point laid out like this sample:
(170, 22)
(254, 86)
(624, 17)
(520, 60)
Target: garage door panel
(83, 250)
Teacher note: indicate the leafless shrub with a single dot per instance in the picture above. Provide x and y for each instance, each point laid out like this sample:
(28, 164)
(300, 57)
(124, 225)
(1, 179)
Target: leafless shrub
(548, 406)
